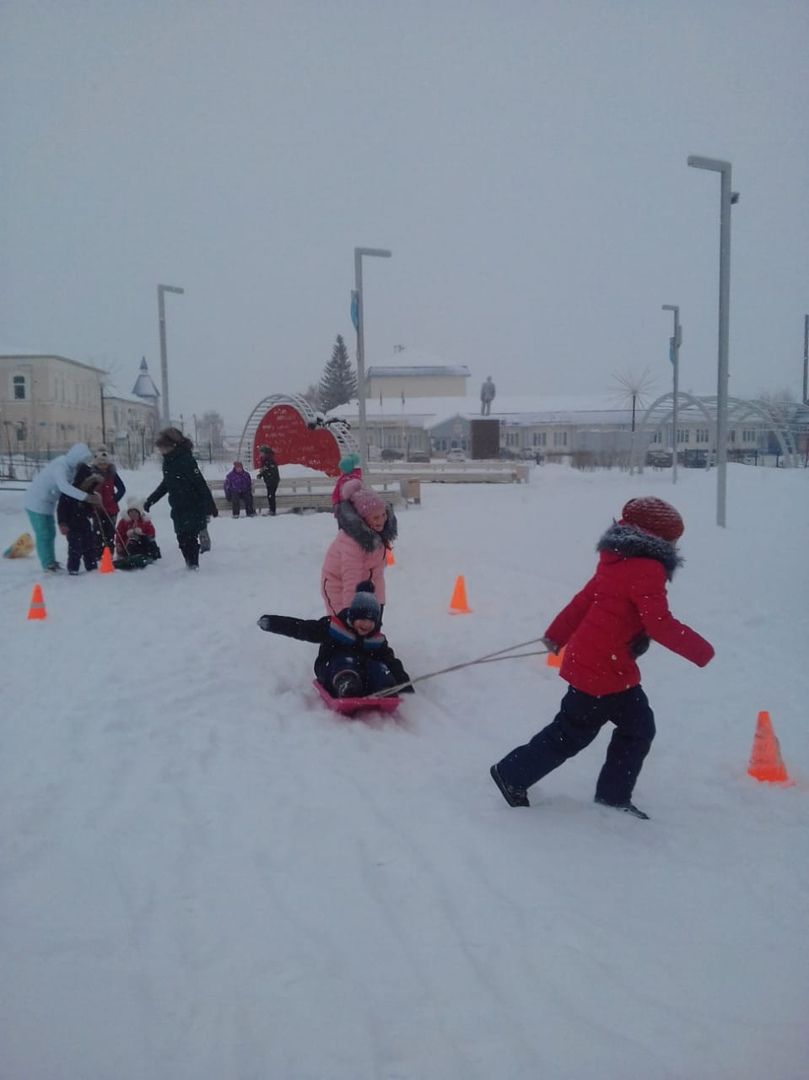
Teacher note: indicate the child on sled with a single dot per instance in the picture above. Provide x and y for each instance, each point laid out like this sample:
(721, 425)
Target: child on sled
(135, 543)
(604, 628)
(355, 659)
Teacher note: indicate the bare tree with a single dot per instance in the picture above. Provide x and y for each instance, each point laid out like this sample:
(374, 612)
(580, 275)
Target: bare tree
(211, 432)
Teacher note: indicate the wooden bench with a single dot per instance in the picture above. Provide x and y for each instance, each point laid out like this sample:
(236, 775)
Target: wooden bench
(313, 493)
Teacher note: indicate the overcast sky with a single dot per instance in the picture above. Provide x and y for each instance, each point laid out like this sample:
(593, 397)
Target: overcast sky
(525, 160)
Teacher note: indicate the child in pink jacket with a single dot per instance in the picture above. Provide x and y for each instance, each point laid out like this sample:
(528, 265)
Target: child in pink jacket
(366, 529)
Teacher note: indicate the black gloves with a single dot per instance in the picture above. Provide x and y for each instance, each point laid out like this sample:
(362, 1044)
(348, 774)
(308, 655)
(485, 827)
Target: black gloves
(147, 506)
(265, 622)
(551, 646)
(639, 644)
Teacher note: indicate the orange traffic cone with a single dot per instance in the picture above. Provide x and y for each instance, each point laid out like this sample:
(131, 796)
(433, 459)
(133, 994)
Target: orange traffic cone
(37, 608)
(765, 757)
(106, 566)
(458, 604)
(389, 559)
(555, 659)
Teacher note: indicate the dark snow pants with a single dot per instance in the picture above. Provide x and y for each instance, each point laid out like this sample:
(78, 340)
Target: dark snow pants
(374, 675)
(81, 545)
(579, 720)
(271, 490)
(189, 546)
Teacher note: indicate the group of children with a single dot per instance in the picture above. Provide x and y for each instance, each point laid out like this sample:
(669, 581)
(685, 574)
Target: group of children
(603, 630)
(239, 484)
(89, 524)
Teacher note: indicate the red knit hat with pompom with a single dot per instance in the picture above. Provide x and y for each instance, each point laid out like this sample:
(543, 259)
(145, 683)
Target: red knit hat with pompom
(654, 516)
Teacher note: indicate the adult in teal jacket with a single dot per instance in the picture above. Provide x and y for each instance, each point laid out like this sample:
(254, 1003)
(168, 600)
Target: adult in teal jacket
(190, 497)
(43, 494)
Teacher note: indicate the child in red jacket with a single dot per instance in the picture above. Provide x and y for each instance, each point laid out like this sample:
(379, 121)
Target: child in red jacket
(604, 628)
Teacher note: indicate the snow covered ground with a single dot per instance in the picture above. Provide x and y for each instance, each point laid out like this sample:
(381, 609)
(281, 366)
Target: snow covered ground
(206, 875)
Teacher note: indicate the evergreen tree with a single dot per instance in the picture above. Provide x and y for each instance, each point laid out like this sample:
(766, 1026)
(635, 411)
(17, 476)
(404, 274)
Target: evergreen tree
(339, 383)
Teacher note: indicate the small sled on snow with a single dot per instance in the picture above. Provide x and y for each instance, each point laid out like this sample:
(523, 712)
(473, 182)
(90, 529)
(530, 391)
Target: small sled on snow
(349, 706)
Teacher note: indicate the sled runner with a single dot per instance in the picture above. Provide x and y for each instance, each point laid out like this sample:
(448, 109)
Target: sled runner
(348, 706)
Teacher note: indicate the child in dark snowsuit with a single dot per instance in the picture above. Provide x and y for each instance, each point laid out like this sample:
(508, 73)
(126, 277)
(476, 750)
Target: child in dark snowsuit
(604, 628)
(76, 521)
(355, 659)
(190, 497)
(268, 472)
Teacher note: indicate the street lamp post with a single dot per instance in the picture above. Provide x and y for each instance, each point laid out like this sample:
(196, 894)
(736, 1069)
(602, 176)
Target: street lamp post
(674, 356)
(380, 253)
(164, 370)
(726, 199)
(806, 359)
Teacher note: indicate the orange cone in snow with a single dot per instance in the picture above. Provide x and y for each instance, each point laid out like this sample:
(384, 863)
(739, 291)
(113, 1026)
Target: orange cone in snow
(106, 566)
(555, 659)
(37, 609)
(389, 559)
(765, 758)
(458, 604)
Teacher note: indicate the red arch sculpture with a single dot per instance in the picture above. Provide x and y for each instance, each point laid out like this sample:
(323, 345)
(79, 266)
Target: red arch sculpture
(297, 434)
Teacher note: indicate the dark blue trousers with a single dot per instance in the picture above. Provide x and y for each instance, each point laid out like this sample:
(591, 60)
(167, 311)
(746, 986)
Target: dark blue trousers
(375, 675)
(579, 720)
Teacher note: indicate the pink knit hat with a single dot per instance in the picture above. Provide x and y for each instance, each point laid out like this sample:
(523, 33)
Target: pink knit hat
(364, 500)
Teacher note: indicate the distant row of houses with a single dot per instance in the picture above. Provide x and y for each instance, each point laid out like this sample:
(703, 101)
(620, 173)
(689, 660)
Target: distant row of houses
(49, 402)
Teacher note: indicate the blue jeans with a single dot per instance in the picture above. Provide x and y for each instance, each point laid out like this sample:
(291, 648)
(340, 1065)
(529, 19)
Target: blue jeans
(44, 527)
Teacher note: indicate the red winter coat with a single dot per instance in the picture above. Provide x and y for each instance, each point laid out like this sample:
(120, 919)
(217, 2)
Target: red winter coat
(625, 599)
(125, 527)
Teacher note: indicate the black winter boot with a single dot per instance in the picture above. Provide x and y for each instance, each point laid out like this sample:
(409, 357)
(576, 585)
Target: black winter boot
(514, 796)
(347, 684)
(627, 807)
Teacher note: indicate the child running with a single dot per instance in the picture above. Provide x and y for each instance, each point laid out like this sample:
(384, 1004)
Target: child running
(355, 659)
(604, 628)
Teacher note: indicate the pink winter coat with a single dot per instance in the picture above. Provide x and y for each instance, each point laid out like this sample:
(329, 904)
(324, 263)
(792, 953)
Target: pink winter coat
(357, 553)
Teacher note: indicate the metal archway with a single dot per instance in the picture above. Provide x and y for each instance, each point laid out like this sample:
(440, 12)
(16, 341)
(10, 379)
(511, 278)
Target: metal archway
(738, 410)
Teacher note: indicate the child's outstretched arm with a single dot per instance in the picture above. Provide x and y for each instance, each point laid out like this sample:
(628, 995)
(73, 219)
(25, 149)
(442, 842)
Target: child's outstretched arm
(649, 596)
(566, 622)
(313, 630)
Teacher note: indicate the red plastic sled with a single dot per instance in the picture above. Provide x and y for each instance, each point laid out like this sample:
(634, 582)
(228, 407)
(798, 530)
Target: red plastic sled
(347, 706)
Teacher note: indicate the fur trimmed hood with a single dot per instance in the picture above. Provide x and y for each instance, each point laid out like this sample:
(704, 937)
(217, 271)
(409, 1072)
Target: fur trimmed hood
(351, 523)
(629, 542)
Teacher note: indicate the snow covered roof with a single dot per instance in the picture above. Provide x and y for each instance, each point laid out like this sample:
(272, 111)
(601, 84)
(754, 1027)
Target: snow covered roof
(415, 370)
(429, 411)
(144, 384)
(111, 394)
(49, 356)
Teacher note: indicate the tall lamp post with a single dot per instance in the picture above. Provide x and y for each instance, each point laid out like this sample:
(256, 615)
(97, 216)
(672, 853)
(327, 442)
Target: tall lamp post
(674, 356)
(357, 308)
(726, 199)
(806, 359)
(164, 370)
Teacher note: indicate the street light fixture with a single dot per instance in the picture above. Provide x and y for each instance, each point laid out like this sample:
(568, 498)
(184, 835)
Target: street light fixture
(674, 355)
(164, 370)
(380, 253)
(726, 199)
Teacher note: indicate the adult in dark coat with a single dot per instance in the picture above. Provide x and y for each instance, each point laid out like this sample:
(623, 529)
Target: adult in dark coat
(268, 472)
(190, 497)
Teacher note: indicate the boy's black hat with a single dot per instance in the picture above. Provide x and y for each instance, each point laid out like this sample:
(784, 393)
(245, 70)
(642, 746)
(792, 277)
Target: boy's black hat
(364, 605)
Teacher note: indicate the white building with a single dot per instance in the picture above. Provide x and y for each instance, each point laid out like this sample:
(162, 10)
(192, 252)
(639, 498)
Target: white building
(415, 374)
